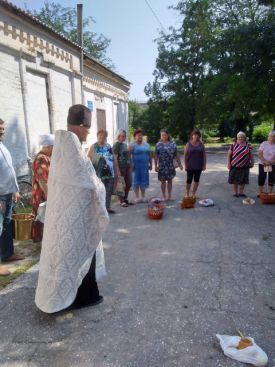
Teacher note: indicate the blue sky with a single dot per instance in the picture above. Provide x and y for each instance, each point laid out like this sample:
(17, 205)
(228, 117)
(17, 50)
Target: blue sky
(132, 29)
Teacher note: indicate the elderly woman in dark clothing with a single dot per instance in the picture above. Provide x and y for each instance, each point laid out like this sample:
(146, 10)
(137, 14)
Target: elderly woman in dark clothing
(195, 161)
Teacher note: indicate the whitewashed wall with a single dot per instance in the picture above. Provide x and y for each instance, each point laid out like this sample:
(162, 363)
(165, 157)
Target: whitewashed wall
(11, 110)
(40, 79)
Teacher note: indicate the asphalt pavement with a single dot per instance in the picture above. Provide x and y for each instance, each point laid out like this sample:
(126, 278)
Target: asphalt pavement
(172, 285)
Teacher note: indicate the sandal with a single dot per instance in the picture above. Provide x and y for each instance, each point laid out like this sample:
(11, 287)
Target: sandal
(242, 195)
(124, 204)
(127, 202)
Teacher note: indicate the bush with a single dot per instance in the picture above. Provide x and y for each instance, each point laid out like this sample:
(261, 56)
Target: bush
(261, 131)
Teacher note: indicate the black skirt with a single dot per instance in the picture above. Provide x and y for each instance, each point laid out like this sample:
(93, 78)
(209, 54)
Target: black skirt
(239, 176)
(88, 292)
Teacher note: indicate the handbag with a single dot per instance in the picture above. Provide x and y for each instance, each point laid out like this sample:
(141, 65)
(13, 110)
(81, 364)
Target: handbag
(268, 168)
(119, 187)
(100, 164)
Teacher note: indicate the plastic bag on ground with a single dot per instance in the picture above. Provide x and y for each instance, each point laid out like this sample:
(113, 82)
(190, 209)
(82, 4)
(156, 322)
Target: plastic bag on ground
(252, 354)
(206, 202)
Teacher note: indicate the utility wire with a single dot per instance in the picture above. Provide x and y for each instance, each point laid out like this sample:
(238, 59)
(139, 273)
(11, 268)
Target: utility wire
(155, 14)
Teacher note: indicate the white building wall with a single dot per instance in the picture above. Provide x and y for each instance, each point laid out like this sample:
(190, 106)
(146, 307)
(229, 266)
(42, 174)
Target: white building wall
(62, 98)
(109, 119)
(37, 108)
(77, 91)
(122, 111)
(40, 79)
(11, 110)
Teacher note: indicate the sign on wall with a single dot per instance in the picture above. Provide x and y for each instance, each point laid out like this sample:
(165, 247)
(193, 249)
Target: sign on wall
(90, 105)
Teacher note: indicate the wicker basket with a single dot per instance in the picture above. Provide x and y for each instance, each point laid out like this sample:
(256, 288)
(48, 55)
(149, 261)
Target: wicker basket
(22, 226)
(267, 198)
(155, 208)
(188, 202)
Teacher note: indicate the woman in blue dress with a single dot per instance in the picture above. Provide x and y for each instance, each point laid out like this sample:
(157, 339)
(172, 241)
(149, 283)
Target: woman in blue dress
(166, 158)
(142, 163)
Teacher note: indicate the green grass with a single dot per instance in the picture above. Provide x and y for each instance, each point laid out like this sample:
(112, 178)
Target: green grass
(31, 252)
(20, 210)
(6, 280)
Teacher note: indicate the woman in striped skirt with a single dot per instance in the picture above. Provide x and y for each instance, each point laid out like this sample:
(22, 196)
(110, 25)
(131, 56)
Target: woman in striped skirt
(239, 160)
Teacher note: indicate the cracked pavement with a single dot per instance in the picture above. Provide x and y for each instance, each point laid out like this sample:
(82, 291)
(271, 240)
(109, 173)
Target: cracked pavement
(172, 285)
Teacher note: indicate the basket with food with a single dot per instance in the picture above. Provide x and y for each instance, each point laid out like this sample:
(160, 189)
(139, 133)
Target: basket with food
(267, 198)
(188, 202)
(155, 208)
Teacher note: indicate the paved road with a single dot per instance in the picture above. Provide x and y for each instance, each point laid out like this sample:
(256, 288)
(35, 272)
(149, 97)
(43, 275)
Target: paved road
(172, 285)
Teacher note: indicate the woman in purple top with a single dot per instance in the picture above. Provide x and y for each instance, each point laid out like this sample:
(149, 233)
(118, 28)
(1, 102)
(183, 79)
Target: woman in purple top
(195, 161)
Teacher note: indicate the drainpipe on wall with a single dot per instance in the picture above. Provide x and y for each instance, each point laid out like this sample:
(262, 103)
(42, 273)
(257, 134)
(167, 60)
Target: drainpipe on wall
(80, 42)
(24, 98)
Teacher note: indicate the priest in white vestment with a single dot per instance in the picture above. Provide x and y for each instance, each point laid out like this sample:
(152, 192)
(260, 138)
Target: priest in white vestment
(75, 220)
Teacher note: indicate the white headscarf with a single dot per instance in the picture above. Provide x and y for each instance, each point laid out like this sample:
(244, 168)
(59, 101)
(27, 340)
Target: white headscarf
(241, 133)
(46, 140)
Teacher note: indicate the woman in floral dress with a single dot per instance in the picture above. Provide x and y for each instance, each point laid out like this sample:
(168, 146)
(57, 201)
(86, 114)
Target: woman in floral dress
(40, 172)
(166, 155)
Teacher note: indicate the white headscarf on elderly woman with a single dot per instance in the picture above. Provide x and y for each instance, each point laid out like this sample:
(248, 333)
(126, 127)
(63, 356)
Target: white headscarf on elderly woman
(46, 140)
(241, 134)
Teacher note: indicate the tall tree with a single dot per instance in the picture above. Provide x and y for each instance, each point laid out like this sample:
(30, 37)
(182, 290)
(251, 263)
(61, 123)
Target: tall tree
(182, 64)
(218, 66)
(64, 20)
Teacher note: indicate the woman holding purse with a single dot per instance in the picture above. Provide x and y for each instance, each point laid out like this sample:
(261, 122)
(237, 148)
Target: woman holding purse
(267, 163)
(106, 170)
(122, 165)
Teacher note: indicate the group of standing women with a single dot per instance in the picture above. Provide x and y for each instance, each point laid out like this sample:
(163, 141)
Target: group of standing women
(134, 161)
(240, 159)
(167, 159)
(123, 160)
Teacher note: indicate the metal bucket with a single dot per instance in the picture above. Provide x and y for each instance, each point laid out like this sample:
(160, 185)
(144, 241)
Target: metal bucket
(22, 226)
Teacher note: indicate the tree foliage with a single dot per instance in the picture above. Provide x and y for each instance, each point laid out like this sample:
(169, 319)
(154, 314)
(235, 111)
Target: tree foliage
(218, 67)
(64, 20)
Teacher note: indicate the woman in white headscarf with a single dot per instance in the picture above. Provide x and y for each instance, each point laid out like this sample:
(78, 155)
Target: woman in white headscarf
(40, 171)
(239, 160)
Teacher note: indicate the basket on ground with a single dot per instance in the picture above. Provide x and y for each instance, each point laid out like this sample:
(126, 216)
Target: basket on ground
(267, 198)
(188, 202)
(22, 226)
(155, 208)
